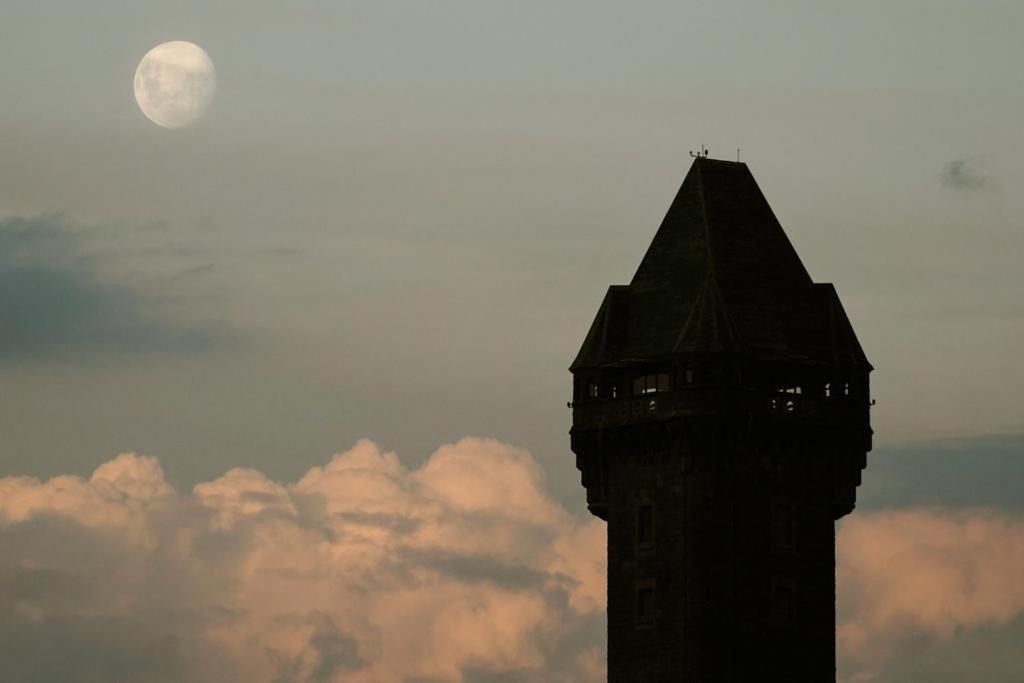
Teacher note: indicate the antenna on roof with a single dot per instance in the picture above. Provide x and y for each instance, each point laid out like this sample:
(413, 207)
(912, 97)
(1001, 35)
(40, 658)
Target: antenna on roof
(703, 153)
(737, 155)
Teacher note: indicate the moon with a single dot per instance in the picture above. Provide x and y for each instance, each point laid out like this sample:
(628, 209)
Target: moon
(175, 83)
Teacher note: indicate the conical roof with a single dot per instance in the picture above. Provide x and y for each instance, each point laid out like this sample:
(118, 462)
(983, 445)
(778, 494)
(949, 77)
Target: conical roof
(720, 275)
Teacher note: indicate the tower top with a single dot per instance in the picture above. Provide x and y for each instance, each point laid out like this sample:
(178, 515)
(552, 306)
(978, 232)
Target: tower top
(721, 276)
(720, 422)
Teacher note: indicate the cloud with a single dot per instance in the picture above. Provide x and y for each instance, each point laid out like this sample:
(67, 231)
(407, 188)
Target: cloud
(979, 471)
(964, 174)
(57, 299)
(914, 576)
(463, 569)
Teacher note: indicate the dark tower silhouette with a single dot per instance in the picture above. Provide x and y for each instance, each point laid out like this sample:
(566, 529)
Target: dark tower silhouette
(720, 422)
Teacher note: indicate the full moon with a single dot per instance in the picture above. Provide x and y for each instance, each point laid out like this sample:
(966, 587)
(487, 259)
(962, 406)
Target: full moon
(175, 83)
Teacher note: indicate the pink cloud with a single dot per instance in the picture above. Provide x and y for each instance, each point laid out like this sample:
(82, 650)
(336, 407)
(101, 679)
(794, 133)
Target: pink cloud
(366, 571)
(363, 570)
(924, 572)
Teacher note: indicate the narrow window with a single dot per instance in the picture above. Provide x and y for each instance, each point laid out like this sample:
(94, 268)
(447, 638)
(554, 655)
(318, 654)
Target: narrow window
(828, 389)
(783, 525)
(645, 526)
(713, 373)
(645, 610)
(784, 601)
(688, 376)
(592, 390)
(615, 391)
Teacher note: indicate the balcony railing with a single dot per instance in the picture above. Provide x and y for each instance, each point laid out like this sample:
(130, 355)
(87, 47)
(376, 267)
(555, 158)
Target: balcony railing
(692, 402)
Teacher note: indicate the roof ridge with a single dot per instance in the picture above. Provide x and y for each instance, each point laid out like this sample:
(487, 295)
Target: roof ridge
(705, 221)
(709, 326)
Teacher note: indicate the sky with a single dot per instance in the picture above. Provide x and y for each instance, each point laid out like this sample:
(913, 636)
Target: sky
(367, 268)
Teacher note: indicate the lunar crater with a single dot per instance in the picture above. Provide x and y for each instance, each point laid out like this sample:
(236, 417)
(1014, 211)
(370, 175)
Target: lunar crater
(175, 83)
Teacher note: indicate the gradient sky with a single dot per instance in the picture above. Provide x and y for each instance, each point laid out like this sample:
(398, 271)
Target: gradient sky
(396, 222)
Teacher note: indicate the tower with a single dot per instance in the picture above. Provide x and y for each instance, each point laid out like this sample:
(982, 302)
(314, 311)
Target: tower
(720, 424)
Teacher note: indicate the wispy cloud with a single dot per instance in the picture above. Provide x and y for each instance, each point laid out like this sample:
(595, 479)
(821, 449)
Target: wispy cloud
(968, 472)
(58, 300)
(966, 174)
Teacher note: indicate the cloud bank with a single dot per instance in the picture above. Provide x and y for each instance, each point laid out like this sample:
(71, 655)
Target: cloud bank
(363, 570)
(925, 574)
